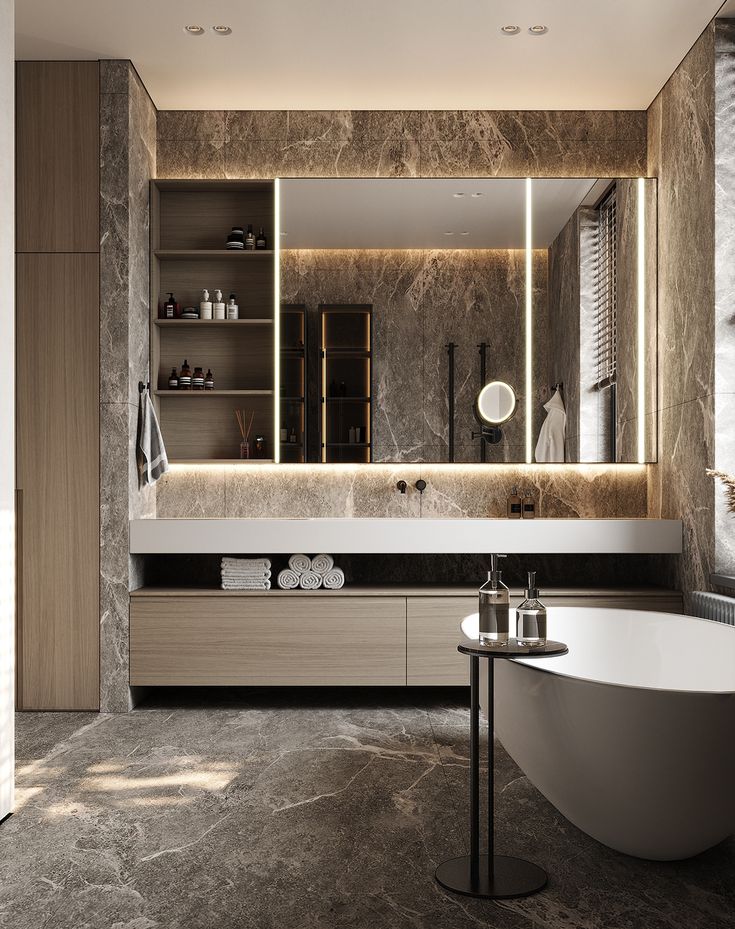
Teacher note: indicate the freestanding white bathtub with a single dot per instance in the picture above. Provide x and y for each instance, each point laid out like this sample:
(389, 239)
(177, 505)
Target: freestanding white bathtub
(631, 735)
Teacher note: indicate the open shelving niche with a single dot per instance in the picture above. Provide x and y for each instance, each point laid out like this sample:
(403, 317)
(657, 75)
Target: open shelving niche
(190, 221)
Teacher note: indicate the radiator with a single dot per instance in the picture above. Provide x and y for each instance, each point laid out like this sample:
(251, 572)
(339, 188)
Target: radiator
(713, 606)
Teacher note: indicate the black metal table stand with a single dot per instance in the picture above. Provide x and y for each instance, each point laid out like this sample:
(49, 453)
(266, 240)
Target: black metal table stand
(489, 875)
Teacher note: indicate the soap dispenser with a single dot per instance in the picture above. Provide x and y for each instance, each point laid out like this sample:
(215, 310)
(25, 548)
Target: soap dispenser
(514, 504)
(494, 607)
(531, 617)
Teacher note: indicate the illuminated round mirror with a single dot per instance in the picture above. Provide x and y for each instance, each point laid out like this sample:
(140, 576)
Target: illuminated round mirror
(495, 404)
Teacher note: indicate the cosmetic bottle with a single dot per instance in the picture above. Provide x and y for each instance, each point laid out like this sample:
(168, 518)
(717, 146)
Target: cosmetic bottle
(351, 435)
(531, 616)
(209, 380)
(218, 305)
(169, 308)
(260, 240)
(259, 447)
(173, 380)
(292, 438)
(197, 381)
(529, 506)
(284, 435)
(514, 504)
(250, 240)
(185, 376)
(205, 307)
(233, 310)
(494, 607)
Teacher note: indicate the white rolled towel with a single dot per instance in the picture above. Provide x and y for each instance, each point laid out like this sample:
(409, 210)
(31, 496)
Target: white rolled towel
(310, 580)
(322, 563)
(299, 563)
(334, 579)
(288, 579)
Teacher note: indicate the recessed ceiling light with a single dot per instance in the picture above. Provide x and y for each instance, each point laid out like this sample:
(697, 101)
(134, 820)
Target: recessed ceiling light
(448, 233)
(478, 194)
(538, 30)
(194, 30)
(284, 233)
(510, 30)
(458, 195)
(221, 30)
(464, 233)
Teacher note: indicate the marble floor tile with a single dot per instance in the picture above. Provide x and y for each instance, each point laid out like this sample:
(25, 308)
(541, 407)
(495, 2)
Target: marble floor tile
(277, 809)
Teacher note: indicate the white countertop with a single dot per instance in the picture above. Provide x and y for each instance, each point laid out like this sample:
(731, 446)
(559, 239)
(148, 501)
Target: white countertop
(405, 536)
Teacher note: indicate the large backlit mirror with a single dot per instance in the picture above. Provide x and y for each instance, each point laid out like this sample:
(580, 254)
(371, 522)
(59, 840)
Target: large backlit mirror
(401, 300)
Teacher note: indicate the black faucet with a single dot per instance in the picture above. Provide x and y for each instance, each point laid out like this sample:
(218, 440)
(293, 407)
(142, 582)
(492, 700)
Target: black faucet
(401, 485)
(420, 486)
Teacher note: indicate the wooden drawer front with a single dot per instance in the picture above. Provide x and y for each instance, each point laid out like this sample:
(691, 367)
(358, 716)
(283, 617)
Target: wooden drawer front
(261, 641)
(432, 637)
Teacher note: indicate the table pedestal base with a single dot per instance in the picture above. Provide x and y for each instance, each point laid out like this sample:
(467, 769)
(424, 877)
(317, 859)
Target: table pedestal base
(512, 877)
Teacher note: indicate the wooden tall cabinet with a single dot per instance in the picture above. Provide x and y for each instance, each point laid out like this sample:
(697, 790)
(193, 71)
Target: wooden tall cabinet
(57, 384)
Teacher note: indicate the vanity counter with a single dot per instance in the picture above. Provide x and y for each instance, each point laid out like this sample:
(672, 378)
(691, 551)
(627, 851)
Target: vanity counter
(405, 536)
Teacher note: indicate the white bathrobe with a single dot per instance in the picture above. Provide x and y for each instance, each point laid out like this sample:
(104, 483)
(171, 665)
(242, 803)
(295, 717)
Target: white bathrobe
(550, 445)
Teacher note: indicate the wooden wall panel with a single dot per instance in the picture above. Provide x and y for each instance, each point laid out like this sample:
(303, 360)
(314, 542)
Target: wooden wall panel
(57, 156)
(58, 478)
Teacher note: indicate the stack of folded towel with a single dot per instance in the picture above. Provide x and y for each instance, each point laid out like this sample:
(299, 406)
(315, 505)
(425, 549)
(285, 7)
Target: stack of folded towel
(311, 573)
(246, 574)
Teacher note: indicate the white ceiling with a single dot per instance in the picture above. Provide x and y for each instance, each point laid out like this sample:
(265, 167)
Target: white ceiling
(381, 54)
(413, 213)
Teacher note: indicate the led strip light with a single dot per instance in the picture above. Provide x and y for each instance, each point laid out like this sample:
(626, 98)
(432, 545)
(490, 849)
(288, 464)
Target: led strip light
(641, 320)
(529, 320)
(277, 320)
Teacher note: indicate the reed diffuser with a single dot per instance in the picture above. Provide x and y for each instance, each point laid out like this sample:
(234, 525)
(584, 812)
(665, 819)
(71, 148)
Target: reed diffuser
(241, 415)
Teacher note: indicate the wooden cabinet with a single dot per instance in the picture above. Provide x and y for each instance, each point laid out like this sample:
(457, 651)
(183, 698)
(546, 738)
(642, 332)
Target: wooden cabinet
(57, 455)
(57, 156)
(432, 636)
(230, 640)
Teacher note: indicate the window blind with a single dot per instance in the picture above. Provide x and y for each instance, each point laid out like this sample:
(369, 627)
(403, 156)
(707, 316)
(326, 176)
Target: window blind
(606, 304)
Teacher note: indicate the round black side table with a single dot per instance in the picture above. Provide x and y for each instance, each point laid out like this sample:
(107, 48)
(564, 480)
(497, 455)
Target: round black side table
(493, 876)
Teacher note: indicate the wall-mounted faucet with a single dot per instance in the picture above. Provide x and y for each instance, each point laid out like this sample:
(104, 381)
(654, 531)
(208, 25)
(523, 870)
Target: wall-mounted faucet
(401, 485)
(420, 486)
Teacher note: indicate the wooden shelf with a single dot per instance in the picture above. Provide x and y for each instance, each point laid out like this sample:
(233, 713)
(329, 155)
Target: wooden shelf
(213, 393)
(206, 254)
(347, 399)
(347, 445)
(291, 399)
(198, 323)
(345, 353)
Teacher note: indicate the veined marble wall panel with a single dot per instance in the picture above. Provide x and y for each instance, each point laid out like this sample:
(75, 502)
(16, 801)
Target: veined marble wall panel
(453, 491)
(404, 143)
(128, 143)
(724, 288)
(681, 154)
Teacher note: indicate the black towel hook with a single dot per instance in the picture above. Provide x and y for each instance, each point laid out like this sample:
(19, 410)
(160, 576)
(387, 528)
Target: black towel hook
(143, 386)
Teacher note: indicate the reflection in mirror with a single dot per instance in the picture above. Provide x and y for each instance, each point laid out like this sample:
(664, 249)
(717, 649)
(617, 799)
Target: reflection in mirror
(403, 298)
(494, 406)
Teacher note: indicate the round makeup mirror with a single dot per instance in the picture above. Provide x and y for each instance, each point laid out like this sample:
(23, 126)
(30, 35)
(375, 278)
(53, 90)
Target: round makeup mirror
(495, 404)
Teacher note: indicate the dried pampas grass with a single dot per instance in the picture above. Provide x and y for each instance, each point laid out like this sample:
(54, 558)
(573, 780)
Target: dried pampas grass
(729, 481)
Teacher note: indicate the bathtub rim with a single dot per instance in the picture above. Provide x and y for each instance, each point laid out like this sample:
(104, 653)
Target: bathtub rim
(539, 665)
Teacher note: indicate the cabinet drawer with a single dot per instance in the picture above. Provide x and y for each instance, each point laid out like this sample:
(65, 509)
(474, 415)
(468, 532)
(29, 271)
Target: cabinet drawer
(432, 637)
(308, 641)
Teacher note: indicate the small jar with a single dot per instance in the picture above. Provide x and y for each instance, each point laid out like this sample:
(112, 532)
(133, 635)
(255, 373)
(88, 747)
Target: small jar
(173, 380)
(236, 239)
(209, 380)
(197, 382)
(259, 451)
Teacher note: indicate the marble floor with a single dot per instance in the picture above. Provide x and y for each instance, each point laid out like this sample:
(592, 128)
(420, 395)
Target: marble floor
(301, 810)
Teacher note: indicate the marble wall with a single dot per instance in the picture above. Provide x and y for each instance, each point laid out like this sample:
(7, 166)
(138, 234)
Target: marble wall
(400, 143)
(421, 301)
(127, 162)
(681, 153)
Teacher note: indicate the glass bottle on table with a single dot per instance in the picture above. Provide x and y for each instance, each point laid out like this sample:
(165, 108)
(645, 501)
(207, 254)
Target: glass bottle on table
(494, 607)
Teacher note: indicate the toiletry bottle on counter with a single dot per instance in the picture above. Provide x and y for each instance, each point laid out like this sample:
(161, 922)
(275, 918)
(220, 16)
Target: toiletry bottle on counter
(250, 239)
(185, 376)
(284, 435)
(529, 506)
(205, 307)
(260, 241)
(232, 310)
(173, 380)
(197, 382)
(218, 306)
(494, 607)
(515, 505)
(531, 616)
(209, 380)
(292, 437)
